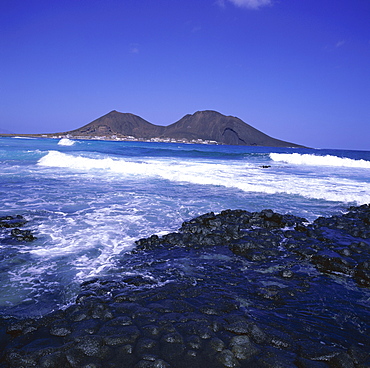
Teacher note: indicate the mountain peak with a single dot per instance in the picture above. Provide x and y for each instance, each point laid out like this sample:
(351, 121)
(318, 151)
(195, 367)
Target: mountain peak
(207, 112)
(205, 125)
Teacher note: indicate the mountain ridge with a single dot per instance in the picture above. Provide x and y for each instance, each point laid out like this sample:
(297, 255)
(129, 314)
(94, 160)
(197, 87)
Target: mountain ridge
(206, 125)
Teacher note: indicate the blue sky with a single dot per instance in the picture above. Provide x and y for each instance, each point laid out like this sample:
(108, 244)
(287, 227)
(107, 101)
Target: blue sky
(298, 70)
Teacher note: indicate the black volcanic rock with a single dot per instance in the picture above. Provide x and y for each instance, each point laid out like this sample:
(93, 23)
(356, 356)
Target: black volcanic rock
(234, 289)
(204, 125)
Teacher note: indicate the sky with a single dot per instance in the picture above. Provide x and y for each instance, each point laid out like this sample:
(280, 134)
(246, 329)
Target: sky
(298, 70)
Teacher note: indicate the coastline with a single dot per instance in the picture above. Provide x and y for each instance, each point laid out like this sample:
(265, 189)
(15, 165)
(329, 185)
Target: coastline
(234, 289)
(115, 138)
(123, 138)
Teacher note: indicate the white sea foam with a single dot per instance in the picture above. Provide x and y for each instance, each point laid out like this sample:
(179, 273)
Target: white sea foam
(66, 142)
(88, 240)
(87, 207)
(315, 160)
(245, 177)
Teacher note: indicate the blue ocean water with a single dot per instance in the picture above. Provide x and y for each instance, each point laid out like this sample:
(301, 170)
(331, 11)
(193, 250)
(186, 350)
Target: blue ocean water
(88, 201)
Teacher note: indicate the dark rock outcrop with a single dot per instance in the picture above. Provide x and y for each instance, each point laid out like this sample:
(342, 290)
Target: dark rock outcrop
(12, 221)
(234, 289)
(16, 234)
(204, 125)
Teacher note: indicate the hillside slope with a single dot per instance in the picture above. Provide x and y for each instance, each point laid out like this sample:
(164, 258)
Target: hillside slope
(211, 125)
(204, 125)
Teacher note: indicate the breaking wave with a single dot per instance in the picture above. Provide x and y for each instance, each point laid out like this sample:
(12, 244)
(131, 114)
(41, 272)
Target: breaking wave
(66, 142)
(314, 160)
(245, 177)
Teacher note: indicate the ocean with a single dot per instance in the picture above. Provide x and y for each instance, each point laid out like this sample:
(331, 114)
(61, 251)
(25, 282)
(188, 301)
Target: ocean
(87, 201)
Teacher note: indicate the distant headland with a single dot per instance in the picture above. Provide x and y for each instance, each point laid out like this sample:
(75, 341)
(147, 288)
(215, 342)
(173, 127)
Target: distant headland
(207, 127)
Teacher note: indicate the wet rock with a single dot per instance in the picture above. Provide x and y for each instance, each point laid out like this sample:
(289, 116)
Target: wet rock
(75, 314)
(12, 221)
(243, 348)
(317, 352)
(275, 358)
(272, 292)
(194, 342)
(192, 359)
(174, 239)
(78, 316)
(120, 321)
(179, 306)
(123, 355)
(287, 274)
(230, 289)
(137, 280)
(358, 355)
(90, 345)
(211, 230)
(85, 327)
(306, 363)
(280, 344)
(118, 334)
(210, 310)
(355, 222)
(54, 360)
(156, 363)
(17, 359)
(342, 360)
(172, 345)
(362, 274)
(148, 243)
(75, 357)
(152, 331)
(238, 328)
(332, 264)
(60, 328)
(197, 328)
(16, 234)
(22, 235)
(257, 334)
(215, 345)
(85, 295)
(227, 359)
(160, 363)
(145, 346)
(360, 247)
(258, 245)
(19, 327)
(345, 252)
(100, 311)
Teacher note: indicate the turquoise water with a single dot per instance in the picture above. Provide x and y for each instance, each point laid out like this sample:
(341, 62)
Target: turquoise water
(88, 201)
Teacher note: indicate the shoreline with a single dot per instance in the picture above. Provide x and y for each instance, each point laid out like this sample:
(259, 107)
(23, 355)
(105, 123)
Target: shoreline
(234, 289)
(121, 138)
(114, 138)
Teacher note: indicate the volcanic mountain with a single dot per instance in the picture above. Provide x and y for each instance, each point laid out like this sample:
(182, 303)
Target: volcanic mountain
(204, 125)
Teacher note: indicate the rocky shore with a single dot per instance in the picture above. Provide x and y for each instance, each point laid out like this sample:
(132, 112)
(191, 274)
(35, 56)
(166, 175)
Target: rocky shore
(15, 234)
(235, 289)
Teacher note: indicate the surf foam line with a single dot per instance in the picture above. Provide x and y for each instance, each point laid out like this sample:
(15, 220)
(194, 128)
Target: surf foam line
(314, 160)
(245, 177)
(66, 142)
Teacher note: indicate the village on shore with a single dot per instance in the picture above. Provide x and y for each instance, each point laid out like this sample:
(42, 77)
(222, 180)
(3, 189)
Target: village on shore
(116, 137)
